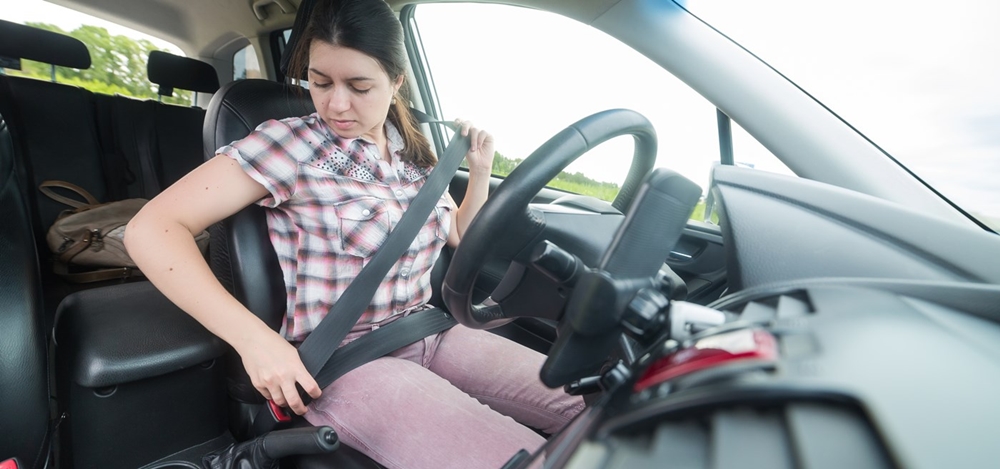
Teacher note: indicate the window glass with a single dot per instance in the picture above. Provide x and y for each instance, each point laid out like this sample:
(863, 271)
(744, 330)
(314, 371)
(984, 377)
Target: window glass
(917, 78)
(245, 64)
(118, 54)
(525, 75)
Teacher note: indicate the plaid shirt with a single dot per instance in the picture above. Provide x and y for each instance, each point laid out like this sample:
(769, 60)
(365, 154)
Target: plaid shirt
(331, 204)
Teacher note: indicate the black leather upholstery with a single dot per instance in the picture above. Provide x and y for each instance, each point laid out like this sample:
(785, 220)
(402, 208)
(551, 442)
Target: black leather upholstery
(239, 107)
(125, 333)
(242, 256)
(23, 379)
(55, 136)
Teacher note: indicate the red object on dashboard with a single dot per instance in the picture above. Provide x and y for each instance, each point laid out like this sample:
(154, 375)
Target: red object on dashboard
(8, 464)
(709, 352)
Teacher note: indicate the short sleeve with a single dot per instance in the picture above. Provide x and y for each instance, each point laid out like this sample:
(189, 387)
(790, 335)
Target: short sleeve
(266, 155)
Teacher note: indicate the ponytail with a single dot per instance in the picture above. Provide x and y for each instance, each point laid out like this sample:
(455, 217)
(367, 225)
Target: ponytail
(417, 149)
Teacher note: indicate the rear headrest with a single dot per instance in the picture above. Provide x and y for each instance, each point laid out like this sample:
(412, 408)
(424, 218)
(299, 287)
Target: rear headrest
(18, 41)
(171, 71)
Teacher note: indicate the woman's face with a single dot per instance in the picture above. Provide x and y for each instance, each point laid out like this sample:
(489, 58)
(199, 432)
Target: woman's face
(350, 90)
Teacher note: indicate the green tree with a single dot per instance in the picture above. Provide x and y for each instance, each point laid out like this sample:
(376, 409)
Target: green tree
(118, 65)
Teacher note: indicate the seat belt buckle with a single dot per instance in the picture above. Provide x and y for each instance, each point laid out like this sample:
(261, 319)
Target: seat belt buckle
(279, 413)
(269, 417)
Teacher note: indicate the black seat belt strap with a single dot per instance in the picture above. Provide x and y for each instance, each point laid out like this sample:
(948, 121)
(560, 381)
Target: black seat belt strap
(382, 341)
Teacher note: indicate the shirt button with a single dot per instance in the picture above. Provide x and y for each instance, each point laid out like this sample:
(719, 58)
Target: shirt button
(404, 273)
(366, 212)
(399, 193)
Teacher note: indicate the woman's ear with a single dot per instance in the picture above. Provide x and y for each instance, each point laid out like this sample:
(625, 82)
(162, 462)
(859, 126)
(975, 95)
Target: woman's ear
(398, 84)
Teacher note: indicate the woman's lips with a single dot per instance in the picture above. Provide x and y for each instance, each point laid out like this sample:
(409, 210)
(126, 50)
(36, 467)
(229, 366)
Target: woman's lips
(342, 124)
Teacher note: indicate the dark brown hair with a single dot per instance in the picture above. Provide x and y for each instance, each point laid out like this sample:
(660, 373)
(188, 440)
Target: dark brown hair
(369, 27)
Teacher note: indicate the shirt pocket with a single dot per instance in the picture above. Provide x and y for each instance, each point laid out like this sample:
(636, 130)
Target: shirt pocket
(444, 212)
(364, 225)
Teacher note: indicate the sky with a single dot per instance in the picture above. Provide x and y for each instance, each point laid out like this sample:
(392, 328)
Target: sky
(918, 78)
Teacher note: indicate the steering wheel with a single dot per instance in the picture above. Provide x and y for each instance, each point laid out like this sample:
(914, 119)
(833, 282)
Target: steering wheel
(507, 228)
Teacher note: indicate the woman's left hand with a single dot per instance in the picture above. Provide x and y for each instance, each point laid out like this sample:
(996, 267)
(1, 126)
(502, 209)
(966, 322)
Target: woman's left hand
(480, 155)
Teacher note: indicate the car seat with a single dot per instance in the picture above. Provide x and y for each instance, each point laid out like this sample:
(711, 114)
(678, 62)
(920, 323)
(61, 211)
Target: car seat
(242, 256)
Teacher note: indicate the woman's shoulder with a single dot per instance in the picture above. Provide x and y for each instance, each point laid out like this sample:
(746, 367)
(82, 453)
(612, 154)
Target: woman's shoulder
(290, 124)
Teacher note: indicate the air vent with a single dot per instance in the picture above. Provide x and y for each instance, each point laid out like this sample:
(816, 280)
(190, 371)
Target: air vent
(796, 434)
(789, 305)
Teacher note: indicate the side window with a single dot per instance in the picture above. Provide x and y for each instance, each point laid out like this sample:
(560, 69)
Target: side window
(245, 64)
(525, 75)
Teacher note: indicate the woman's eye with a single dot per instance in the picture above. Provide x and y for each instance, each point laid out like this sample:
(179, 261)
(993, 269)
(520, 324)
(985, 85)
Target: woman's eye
(321, 85)
(360, 91)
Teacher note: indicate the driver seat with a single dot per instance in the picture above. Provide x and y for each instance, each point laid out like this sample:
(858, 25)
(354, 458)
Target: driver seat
(243, 258)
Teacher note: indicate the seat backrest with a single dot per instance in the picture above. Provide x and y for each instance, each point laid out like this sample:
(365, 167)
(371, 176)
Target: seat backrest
(53, 126)
(242, 256)
(178, 141)
(157, 143)
(23, 378)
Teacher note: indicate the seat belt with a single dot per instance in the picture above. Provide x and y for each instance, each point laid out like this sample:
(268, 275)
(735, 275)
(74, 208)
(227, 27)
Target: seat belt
(319, 351)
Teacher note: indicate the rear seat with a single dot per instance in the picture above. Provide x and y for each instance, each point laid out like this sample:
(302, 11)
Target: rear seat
(54, 135)
(115, 147)
(53, 126)
(121, 348)
(178, 128)
(159, 142)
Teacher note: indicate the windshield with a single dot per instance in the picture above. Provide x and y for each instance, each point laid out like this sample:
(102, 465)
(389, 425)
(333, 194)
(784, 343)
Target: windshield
(920, 79)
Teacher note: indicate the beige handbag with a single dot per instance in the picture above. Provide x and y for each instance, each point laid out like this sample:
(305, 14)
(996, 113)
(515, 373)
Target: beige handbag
(91, 236)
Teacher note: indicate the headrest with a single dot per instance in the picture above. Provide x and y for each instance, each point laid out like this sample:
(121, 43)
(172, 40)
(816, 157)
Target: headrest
(18, 41)
(171, 71)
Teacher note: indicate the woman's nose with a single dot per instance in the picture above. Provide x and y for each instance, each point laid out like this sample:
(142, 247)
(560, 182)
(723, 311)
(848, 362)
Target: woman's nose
(340, 100)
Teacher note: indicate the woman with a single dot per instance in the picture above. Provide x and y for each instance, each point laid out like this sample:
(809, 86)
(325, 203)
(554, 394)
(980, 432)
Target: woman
(332, 183)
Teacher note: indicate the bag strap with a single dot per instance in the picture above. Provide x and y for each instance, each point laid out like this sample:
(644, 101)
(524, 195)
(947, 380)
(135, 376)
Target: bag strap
(44, 188)
(61, 263)
(320, 344)
(118, 273)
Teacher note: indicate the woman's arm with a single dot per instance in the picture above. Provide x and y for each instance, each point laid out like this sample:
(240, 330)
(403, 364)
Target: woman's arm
(160, 239)
(480, 159)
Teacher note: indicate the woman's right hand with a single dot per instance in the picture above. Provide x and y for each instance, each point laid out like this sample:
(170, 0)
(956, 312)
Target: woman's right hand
(274, 367)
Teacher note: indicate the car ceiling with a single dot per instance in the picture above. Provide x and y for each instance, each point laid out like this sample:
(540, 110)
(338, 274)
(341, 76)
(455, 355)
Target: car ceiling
(200, 27)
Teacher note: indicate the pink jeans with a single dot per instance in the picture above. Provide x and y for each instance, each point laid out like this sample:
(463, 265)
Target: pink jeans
(461, 399)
